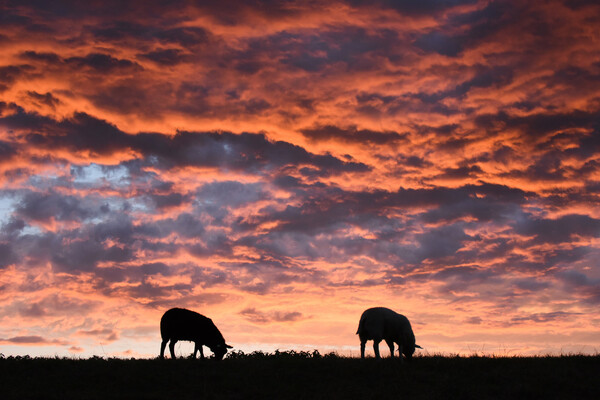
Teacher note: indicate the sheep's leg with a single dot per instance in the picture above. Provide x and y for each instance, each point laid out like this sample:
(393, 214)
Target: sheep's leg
(172, 348)
(162, 348)
(201, 351)
(376, 348)
(391, 346)
(400, 351)
(362, 348)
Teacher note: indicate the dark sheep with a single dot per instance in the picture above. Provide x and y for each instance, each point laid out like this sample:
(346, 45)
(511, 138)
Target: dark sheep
(381, 323)
(181, 324)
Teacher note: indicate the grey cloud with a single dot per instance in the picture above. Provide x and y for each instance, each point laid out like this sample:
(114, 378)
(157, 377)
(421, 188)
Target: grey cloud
(186, 224)
(34, 340)
(10, 73)
(103, 63)
(247, 151)
(558, 230)
(464, 30)
(230, 194)
(47, 58)
(44, 206)
(464, 172)
(53, 305)
(352, 135)
(354, 48)
(439, 42)
(259, 317)
(409, 7)
(107, 334)
(91, 62)
(187, 300)
(7, 256)
(539, 124)
(207, 278)
(47, 99)
(134, 273)
(80, 249)
(188, 37)
(165, 56)
(531, 284)
(544, 317)
(7, 150)
(582, 284)
(213, 243)
(151, 291)
(375, 105)
(168, 200)
(474, 320)
(84, 255)
(441, 242)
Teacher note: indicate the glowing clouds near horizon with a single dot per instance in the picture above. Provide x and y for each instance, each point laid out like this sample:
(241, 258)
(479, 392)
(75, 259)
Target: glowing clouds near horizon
(281, 168)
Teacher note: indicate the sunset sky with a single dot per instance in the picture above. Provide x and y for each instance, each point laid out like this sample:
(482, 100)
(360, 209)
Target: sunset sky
(282, 166)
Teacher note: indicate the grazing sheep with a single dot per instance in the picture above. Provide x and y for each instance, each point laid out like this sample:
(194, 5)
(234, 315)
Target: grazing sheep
(181, 324)
(381, 323)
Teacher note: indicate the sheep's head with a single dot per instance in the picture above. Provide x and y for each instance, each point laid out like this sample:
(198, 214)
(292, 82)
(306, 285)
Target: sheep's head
(409, 351)
(219, 350)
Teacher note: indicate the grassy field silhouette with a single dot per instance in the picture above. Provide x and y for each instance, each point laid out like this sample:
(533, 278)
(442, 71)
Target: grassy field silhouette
(301, 375)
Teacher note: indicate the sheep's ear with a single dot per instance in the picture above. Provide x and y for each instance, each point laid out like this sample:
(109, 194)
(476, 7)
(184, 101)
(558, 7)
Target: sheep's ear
(417, 346)
(228, 346)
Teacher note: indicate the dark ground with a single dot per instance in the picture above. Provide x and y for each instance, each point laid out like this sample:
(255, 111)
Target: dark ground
(292, 375)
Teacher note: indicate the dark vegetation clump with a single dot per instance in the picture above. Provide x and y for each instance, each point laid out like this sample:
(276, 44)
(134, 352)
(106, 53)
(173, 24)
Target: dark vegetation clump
(301, 375)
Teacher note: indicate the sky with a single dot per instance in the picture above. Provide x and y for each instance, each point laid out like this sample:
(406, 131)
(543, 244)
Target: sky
(282, 166)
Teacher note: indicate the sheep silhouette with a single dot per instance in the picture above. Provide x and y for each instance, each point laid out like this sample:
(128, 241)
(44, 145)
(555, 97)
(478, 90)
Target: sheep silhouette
(381, 323)
(181, 324)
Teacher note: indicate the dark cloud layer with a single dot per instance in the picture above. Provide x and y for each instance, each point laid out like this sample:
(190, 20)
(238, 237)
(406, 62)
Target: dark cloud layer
(247, 151)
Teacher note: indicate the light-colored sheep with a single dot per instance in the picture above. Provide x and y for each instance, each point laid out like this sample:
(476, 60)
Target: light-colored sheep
(381, 323)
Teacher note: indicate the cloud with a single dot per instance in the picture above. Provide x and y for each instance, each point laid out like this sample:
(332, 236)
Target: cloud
(33, 341)
(544, 317)
(81, 132)
(103, 63)
(53, 305)
(93, 63)
(559, 230)
(538, 125)
(164, 56)
(191, 301)
(7, 151)
(105, 334)
(246, 151)
(44, 99)
(582, 284)
(441, 242)
(352, 134)
(10, 73)
(229, 193)
(417, 8)
(440, 43)
(7, 257)
(38, 206)
(259, 317)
